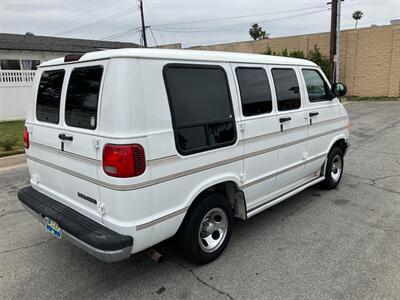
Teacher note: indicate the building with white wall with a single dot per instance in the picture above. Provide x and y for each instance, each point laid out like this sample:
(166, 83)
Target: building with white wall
(19, 56)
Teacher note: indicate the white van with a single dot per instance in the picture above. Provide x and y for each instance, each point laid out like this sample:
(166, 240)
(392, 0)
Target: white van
(129, 147)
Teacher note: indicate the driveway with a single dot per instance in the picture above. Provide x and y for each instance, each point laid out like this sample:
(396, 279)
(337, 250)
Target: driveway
(319, 244)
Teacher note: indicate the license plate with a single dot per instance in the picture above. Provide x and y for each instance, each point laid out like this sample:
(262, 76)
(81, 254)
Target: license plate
(53, 228)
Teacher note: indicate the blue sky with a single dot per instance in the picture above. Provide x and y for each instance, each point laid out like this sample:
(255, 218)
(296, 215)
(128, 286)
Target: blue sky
(190, 22)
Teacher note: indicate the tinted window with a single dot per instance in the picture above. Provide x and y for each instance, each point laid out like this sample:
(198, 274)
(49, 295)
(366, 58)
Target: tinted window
(200, 106)
(82, 97)
(254, 91)
(199, 94)
(10, 64)
(29, 64)
(192, 138)
(317, 88)
(49, 95)
(35, 64)
(287, 89)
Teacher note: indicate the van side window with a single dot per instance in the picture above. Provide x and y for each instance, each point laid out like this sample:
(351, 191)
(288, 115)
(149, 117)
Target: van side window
(287, 89)
(82, 97)
(317, 88)
(201, 107)
(49, 95)
(254, 91)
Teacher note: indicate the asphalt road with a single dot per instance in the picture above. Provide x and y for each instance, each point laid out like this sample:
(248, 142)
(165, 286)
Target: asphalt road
(337, 244)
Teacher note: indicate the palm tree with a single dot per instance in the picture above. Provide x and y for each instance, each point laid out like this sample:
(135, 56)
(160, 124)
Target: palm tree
(257, 33)
(357, 15)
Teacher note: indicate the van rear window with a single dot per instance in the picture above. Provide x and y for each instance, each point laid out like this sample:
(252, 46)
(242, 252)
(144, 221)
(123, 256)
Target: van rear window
(82, 97)
(49, 95)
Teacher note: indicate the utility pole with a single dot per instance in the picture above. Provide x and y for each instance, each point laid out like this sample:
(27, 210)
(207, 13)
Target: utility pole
(337, 60)
(143, 26)
(332, 51)
(335, 40)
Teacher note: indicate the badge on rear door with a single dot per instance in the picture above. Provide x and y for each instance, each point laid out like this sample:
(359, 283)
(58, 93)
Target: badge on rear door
(87, 198)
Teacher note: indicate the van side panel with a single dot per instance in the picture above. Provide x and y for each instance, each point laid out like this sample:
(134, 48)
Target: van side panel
(127, 202)
(180, 178)
(324, 127)
(260, 141)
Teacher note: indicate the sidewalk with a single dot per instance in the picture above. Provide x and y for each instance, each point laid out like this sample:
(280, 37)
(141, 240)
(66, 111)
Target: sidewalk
(13, 161)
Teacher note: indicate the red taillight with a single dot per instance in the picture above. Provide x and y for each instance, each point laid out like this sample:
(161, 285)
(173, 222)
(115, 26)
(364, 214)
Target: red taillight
(123, 160)
(26, 138)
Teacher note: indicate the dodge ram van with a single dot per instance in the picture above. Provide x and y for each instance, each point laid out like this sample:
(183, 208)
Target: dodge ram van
(129, 147)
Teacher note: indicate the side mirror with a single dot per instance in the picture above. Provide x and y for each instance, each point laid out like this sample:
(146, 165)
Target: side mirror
(339, 89)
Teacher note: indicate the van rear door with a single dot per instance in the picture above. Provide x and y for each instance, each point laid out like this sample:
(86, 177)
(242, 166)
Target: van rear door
(71, 174)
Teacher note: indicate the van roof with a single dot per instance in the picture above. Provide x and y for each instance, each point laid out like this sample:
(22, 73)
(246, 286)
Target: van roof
(184, 54)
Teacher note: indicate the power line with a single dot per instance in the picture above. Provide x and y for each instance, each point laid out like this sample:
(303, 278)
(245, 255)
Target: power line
(151, 20)
(118, 14)
(152, 34)
(129, 37)
(70, 13)
(169, 27)
(218, 27)
(235, 17)
(120, 34)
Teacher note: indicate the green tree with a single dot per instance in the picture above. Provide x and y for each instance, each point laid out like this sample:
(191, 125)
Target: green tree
(270, 52)
(314, 55)
(357, 15)
(257, 33)
(297, 54)
(285, 53)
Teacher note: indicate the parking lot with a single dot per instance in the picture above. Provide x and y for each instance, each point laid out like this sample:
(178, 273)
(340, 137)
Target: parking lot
(319, 244)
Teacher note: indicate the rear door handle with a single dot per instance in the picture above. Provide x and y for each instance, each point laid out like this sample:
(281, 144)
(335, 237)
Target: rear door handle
(284, 119)
(313, 114)
(64, 137)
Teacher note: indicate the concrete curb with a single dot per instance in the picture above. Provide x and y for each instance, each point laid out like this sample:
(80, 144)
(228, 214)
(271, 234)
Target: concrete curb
(10, 161)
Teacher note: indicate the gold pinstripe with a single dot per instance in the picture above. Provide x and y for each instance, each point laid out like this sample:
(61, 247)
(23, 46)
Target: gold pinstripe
(183, 210)
(282, 171)
(178, 174)
(161, 219)
(174, 156)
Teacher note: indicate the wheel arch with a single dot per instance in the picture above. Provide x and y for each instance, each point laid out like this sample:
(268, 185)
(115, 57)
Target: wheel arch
(340, 141)
(228, 185)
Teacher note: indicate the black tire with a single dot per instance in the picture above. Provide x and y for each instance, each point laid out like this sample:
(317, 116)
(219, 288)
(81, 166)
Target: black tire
(332, 178)
(189, 236)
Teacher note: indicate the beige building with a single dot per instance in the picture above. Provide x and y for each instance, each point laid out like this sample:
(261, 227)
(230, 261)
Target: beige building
(369, 62)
